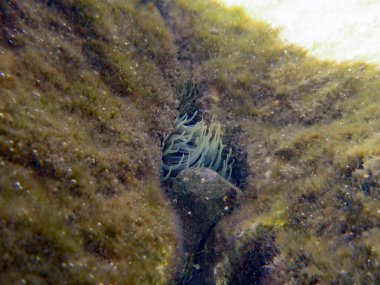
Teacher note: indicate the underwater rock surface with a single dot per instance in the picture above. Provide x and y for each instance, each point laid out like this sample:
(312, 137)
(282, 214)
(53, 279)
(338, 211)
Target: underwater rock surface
(310, 210)
(83, 89)
(203, 197)
(88, 88)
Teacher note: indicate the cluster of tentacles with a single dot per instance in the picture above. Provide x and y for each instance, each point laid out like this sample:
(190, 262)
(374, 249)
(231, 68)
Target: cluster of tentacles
(195, 145)
(187, 98)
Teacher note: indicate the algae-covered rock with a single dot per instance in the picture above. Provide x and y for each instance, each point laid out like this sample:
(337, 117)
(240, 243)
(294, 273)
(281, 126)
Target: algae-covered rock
(87, 90)
(311, 133)
(83, 86)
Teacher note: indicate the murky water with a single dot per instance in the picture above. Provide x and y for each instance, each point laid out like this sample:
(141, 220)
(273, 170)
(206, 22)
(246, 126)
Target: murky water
(339, 30)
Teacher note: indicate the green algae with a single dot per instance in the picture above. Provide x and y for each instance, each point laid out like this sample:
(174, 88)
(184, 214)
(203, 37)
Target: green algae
(87, 85)
(309, 127)
(80, 203)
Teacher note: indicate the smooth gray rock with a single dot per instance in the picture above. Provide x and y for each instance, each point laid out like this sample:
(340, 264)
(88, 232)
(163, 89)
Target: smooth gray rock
(202, 198)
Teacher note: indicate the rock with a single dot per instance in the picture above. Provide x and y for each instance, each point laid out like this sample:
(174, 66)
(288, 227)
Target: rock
(203, 197)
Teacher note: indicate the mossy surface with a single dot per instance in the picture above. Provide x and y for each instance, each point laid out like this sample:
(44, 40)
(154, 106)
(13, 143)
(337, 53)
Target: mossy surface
(87, 87)
(83, 87)
(311, 131)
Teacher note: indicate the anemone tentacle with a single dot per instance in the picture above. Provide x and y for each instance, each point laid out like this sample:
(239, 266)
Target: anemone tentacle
(194, 145)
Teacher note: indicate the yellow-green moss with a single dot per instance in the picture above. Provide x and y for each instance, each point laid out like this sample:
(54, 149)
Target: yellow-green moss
(81, 90)
(87, 84)
(307, 126)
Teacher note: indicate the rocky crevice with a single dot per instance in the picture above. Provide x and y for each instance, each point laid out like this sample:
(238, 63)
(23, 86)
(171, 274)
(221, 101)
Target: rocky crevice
(200, 196)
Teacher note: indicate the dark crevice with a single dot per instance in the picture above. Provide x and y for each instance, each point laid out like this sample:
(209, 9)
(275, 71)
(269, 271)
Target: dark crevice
(252, 267)
(241, 170)
(196, 269)
(194, 273)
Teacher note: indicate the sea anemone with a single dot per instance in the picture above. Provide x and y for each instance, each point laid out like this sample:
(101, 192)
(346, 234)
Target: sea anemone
(195, 145)
(187, 98)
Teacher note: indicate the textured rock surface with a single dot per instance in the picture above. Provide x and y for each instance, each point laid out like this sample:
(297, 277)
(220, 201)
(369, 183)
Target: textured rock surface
(310, 210)
(202, 198)
(87, 90)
